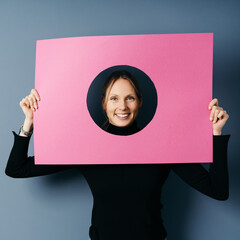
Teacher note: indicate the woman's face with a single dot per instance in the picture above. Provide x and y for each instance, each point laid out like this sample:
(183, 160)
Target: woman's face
(122, 103)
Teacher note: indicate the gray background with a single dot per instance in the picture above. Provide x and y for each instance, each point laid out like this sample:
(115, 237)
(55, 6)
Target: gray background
(59, 206)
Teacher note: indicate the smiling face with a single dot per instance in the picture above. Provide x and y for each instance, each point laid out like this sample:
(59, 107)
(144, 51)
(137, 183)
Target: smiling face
(121, 103)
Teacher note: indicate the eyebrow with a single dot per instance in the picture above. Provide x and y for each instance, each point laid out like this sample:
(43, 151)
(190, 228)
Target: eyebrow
(114, 94)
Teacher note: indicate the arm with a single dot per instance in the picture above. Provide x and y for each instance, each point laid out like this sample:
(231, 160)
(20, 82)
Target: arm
(213, 183)
(21, 166)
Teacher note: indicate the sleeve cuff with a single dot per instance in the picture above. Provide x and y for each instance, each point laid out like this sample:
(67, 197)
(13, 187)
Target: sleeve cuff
(221, 139)
(20, 138)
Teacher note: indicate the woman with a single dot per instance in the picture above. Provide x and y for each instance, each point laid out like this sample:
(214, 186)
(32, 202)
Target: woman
(127, 196)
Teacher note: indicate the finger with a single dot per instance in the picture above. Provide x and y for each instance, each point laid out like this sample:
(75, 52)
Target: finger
(24, 103)
(35, 97)
(31, 99)
(223, 115)
(214, 102)
(21, 103)
(212, 113)
(216, 116)
(35, 94)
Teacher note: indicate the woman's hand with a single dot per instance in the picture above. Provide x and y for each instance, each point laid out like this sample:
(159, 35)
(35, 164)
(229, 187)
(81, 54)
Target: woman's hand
(29, 104)
(218, 116)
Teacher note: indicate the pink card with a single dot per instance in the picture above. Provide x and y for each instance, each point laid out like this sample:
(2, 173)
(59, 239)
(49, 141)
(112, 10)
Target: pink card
(175, 76)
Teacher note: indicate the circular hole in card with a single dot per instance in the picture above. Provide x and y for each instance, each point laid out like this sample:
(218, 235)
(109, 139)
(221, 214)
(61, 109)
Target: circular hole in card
(119, 115)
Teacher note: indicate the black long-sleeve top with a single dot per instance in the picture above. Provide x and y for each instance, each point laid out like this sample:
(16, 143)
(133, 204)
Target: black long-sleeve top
(127, 197)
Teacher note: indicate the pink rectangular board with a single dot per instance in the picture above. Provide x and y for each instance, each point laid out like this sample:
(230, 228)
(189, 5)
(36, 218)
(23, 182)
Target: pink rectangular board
(179, 65)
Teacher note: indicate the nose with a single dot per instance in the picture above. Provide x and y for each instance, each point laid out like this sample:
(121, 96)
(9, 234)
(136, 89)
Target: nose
(122, 105)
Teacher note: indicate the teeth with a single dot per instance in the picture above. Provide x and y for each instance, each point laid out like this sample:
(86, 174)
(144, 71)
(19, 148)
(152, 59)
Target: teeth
(122, 115)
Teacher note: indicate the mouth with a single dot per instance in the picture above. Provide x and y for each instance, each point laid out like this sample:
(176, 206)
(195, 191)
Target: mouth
(122, 116)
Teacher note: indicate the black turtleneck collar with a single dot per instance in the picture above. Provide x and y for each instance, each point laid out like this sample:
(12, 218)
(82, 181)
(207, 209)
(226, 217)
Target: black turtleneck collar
(128, 130)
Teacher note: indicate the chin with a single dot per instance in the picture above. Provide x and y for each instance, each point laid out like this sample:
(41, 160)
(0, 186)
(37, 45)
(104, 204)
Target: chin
(123, 124)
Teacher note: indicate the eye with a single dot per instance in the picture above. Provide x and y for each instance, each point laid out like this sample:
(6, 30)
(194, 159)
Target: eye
(113, 99)
(130, 98)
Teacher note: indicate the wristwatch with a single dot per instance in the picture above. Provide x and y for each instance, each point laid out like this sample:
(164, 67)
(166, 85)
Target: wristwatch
(28, 134)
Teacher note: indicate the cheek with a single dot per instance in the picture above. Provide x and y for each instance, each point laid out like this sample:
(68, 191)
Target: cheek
(135, 108)
(109, 108)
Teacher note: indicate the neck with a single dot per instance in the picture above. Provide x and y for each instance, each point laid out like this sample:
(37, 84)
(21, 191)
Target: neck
(128, 130)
